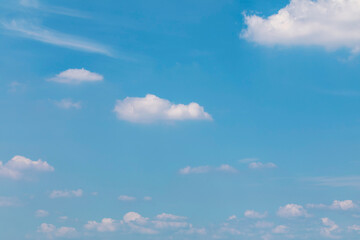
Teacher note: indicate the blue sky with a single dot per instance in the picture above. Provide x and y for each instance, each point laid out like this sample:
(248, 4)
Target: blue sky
(179, 119)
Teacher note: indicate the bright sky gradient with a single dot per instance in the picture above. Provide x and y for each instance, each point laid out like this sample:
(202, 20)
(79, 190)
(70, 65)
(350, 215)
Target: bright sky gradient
(179, 120)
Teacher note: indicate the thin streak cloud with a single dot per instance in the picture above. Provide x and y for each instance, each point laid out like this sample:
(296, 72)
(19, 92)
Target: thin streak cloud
(41, 34)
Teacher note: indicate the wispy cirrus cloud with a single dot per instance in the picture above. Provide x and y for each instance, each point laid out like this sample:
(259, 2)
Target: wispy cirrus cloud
(32, 31)
(345, 181)
(37, 5)
(68, 104)
(205, 169)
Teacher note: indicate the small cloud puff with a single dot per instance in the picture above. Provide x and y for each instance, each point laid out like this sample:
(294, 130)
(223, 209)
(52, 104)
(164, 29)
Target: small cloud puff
(76, 76)
(152, 109)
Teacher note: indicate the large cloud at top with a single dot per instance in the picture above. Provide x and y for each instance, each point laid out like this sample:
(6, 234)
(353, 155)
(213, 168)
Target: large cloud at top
(331, 24)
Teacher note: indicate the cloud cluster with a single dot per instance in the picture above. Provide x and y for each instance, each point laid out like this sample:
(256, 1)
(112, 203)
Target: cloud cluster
(51, 231)
(66, 193)
(329, 228)
(336, 205)
(152, 109)
(76, 76)
(327, 23)
(19, 165)
(133, 222)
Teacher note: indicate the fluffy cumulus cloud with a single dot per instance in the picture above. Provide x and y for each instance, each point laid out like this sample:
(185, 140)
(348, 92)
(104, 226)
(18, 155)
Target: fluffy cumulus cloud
(254, 214)
(328, 23)
(19, 165)
(76, 76)
(343, 205)
(66, 193)
(68, 104)
(292, 210)
(51, 231)
(152, 108)
(329, 228)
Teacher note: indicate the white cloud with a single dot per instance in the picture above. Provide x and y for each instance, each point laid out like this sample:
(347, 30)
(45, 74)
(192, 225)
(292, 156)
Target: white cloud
(34, 4)
(66, 193)
(167, 216)
(343, 205)
(8, 202)
(292, 210)
(147, 198)
(329, 228)
(232, 217)
(227, 168)
(254, 214)
(205, 169)
(152, 108)
(327, 23)
(190, 170)
(134, 217)
(18, 165)
(354, 228)
(126, 198)
(31, 31)
(63, 218)
(260, 165)
(106, 225)
(280, 229)
(169, 224)
(16, 87)
(51, 231)
(336, 205)
(68, 104)
(76, 76)
(41, 213)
